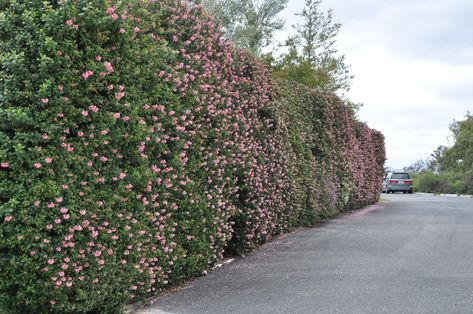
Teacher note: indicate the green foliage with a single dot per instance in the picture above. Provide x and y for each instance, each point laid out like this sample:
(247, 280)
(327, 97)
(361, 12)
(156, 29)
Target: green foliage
(453, 166)
(311, 57)
(449, 182)
(460, 156)
(429, 182)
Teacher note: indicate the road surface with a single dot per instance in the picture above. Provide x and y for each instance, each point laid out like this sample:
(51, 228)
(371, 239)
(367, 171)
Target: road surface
(408, 254)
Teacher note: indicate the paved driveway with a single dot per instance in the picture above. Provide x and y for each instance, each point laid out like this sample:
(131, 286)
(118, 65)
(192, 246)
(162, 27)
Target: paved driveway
(408, 254)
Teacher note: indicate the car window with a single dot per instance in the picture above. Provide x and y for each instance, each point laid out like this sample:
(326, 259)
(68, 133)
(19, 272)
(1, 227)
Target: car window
(400, 176)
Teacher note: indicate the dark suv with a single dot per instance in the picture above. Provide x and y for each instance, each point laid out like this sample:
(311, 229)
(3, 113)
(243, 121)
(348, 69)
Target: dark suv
(395, 181)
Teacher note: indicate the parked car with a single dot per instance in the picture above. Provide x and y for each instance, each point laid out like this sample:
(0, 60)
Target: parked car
(397, 181)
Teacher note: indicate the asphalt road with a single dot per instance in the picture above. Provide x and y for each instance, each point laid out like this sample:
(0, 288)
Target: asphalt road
(408, 254)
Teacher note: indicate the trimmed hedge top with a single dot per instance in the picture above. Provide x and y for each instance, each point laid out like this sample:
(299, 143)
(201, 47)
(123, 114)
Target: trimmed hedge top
(138, 147)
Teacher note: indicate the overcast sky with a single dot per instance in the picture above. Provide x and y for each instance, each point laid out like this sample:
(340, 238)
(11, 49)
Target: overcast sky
(413, 67)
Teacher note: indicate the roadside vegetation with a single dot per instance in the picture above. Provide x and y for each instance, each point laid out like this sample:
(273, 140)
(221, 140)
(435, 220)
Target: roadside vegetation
(449, 169)
(139, 147)
(309, 56)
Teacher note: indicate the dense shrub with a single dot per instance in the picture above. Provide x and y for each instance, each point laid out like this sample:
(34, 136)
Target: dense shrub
(449, 182)
(137, 147)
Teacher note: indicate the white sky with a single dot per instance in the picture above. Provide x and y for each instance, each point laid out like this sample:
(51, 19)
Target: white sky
(413, 67)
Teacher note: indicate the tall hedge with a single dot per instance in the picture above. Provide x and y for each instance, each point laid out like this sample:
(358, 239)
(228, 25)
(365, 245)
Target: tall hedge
(138, 147)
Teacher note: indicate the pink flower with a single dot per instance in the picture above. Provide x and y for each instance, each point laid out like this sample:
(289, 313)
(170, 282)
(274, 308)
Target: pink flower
(52, 302)
(122, 30)
(87, 74)
(85, 113)
(118, 96)
(69, 23)
(50, 261)
(8, 218)
(60, 87)
(37, 165)
(136, 29)
(63, 210)
(114, 16)
(111, 10)
(4, 164)
(108, 66)
(45, 100)
(48, 160)
(98, 58)
(98, 253)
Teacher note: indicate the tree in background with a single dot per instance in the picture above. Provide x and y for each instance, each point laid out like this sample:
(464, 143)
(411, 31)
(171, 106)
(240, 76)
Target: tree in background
(451, 168)
(250, 24)
(311, 56)
(460, 156)
(421, 166)
(439, 159)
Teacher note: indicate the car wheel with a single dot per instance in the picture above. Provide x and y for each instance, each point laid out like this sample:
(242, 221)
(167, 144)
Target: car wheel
(404, 192)
(410, 192)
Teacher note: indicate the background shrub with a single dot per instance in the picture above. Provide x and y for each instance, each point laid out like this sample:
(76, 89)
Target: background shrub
(138, 147)
(449, 182)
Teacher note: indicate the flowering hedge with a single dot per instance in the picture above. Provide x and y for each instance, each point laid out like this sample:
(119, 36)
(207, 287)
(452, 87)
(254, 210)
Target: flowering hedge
(138, 147)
